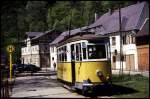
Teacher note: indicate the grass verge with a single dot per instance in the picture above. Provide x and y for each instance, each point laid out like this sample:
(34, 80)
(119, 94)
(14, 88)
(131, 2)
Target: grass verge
(138, 83)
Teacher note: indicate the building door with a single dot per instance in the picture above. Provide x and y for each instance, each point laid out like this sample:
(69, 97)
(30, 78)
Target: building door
(143, 57)
(113, 62)
(130, 63)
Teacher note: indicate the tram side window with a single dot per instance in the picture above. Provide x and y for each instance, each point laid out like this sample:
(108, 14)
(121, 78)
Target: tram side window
(65, 54)
(57, 55)
(84, 53)
(96, 51)
(62, 53)
(60, 58)
(72, 52)
(78, 52)
(84, 50)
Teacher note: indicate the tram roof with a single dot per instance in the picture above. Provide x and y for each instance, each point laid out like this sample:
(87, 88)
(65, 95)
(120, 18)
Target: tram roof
(63, 35)
(84, 37)
(132, 18)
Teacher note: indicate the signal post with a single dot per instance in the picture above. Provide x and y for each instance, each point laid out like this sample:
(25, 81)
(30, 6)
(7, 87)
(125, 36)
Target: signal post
(10, 50)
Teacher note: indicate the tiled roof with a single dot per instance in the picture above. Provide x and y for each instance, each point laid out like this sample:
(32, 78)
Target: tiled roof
(132, 18)
(41, 34)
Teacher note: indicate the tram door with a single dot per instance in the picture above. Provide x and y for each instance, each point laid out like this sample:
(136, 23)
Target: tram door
(73, 63)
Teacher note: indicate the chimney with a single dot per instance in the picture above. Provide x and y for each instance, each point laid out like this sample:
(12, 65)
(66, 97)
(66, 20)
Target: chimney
(96, 16)
(110, 11)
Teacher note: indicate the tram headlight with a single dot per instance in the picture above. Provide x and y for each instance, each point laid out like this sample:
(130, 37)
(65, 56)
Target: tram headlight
(99, 73)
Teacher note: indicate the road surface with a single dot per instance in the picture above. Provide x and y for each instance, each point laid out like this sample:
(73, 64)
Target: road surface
(42, 85)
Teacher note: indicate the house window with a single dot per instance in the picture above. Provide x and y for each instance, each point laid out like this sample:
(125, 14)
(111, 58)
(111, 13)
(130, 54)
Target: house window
(124, 39)
(113, 41)
(128, 39)
(52, 49)
(132, 39)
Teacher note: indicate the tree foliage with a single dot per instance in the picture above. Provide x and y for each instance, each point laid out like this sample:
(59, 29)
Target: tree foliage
(36, 15)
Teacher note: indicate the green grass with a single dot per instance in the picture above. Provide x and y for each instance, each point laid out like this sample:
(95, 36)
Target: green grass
(138, 83)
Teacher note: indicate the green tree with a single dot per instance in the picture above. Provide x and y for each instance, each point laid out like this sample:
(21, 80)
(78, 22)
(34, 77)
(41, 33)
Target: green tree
(36, 15)
(13, 25)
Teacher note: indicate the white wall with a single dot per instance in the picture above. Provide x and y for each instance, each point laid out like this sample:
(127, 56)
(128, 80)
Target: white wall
(30, 54)
(53, 53)
(127, 49)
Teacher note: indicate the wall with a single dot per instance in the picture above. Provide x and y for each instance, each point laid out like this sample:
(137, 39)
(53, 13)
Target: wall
(53, 53)
(128, 49)
(30, 54)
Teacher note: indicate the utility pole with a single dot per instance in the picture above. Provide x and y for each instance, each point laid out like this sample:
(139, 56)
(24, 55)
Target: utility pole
(120, 31)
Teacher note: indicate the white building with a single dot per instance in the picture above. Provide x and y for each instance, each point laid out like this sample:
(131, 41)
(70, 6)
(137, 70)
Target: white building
(53, 54)
(132, 19)
(129, 52)
(30, 53)
(36, 48)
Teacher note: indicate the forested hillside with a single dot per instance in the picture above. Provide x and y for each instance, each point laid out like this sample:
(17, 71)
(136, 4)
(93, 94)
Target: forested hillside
(18, 17)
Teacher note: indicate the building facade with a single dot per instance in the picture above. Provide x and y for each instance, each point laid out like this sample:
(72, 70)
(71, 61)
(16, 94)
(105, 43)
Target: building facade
(129, 53)
(122, 31)
(53, 54)
(36, 48)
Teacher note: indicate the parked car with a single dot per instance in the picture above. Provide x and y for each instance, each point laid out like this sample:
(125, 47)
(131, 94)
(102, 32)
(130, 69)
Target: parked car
(31, 68)
(26, 67)
(18, 67)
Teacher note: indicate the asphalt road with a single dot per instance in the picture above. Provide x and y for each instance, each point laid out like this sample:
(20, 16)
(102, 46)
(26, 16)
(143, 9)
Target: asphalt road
(45, 85)
(40, 86)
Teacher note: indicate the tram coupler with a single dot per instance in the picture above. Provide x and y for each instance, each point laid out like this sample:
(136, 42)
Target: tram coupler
(87, 86)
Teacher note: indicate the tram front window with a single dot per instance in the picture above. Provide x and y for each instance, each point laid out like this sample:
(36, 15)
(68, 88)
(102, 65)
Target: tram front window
(96, 51)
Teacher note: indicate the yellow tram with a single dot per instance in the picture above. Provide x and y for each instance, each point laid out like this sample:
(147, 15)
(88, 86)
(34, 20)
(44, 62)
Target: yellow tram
(84, 61)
